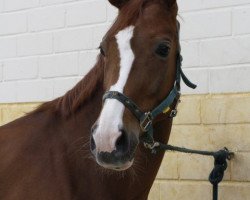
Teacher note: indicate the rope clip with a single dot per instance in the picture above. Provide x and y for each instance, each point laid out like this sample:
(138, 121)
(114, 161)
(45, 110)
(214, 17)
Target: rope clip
(152, 146)
(230, 155)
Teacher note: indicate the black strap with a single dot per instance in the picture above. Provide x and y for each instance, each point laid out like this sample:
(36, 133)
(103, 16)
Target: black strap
(183, 76)
(127, 102)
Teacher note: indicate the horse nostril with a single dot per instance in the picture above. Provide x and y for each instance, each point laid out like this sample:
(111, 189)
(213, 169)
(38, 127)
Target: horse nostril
(122, 142)
(92, 143)
(93, 128)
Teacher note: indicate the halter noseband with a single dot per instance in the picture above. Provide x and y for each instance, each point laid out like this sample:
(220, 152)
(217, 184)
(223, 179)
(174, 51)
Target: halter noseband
(167, 105)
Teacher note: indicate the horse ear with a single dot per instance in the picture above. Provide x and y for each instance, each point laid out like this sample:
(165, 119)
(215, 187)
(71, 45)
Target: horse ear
(118, 3)
(171, 3)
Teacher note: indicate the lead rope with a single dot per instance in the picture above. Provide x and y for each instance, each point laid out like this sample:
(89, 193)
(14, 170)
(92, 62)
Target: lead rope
(220, 161)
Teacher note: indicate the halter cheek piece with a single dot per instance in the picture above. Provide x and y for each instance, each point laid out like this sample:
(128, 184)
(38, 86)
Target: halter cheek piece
(146, 119)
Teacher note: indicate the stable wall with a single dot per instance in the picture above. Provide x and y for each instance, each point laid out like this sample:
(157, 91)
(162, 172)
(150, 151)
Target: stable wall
(46, 46)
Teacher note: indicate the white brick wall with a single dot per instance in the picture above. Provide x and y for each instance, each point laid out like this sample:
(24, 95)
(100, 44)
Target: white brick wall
(46, 46)
(13, 23)
(46, 18)
(58, 65)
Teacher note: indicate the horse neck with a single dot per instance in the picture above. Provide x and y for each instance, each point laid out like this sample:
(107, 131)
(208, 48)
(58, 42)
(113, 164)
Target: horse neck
(78, 127)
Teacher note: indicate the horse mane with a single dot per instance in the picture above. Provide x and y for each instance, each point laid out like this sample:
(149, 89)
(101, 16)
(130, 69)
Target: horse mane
(76, 97)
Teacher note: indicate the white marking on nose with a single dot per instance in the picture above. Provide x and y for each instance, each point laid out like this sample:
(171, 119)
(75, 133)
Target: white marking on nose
(110, 120)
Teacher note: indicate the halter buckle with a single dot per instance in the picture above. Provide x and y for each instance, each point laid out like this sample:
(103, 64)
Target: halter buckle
(146, 122)
(174, 112)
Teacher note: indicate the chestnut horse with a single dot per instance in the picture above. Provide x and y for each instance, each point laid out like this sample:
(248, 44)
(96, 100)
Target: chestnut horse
(77, 146)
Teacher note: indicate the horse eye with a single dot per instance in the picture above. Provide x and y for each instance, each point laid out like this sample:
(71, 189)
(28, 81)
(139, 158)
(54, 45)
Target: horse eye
(102, 51)
(162, 50)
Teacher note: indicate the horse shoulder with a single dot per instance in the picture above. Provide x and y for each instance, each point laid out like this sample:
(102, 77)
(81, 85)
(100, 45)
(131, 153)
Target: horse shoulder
(31, 160)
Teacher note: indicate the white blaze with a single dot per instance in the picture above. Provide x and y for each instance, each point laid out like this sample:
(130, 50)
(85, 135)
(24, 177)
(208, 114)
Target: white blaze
(110, 120)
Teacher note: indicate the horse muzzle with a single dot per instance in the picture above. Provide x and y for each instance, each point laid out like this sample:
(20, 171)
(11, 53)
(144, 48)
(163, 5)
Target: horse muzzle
(116, 153)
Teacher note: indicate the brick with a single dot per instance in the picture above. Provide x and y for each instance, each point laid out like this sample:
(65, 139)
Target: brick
(13, 23)
(223, 3)
(232, 79)
(190, 53)
(58, 65)
(226, 109)
(87, 60)
(198, 76)
(51, 2)
(17, 69)
(8, 92)
(206, 24)
(233, 191)
(34, 91)
(169, 167)
(190, 5)
(190, 106)
(190, 136)
(241, 167)
(8, 47)
(1, 72)
(240, 16)
(222, 51)
(1, 5)
(197, 167)
(155, 192)
(86, 13)
(111, 12)
(1, 119)
(12, 112)
(185, 190)
(61, 86)
(201, 4)
(99, 32)
(47, 18)
(80, 39)
(9, 114)
(34, 44)
(11, 5)
(233, 136)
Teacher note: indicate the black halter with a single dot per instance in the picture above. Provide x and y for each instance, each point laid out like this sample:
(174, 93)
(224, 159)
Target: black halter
(167, 105)
(146, 118)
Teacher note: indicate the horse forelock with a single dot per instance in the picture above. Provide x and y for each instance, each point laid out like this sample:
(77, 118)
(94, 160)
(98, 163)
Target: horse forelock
(127, 16)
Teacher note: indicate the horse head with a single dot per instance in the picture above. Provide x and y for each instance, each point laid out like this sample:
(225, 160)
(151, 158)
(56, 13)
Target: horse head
(139, 54)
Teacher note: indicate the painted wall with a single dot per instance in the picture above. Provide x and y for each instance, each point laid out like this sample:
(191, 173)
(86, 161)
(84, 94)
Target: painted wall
(46, 46)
